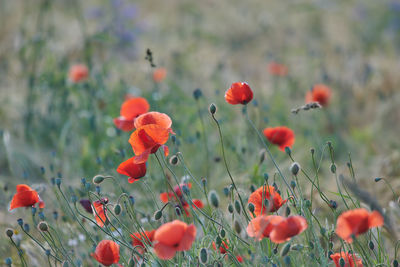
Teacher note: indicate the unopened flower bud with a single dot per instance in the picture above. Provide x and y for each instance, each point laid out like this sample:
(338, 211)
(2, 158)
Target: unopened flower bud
(222, 233)
(250, 206)
(285, 250)
(204, 181)
(157, 215)
(117, 209)
(295, 168)
(9, 232)
(288, 150)
(213, 198)
(377, 179)
(230, 208)
(342, 263)
(212, 109)
(333, 168)
(197, 93)
(203, 256)
(42, 226)
(237, 206)
(238, 227)
(173, 160)
(98, 179)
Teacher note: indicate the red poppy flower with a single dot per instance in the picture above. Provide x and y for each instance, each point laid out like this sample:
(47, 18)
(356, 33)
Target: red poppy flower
(223, 248)
(258, 197)
(355, 222)
(350, 260)
(99, 212)
(239, 258)
(107, 252)
(170, 195)
(138, 239)
(78, 73)
(281, 136)
(277, 228)
(132, 170)
(172, 237)
(277, 69)
(146, 140)
(130, 109)
(197, 203)
(319, 93)
(159, 74)
(154, 117)
(239, 93)
(25, 197)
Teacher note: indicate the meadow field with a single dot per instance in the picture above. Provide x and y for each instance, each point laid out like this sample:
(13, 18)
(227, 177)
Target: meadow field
(199, 133)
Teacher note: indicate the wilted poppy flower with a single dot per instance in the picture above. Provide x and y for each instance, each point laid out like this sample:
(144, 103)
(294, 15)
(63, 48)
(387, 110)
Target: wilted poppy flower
(258, 199)
(277, 69)
(130, 109)
(146, 140)
(319, 93)
(159, 74)
(223, 248)
(138, 239)
(154, 117)
(25, 197)
(355, 222)
(350, 260)
(239, 93)
(281, 136)
(78, 73)
(99, 211)
(279, 229)
(132, 170)
(87, 205)
(107, 252)
(172, 237)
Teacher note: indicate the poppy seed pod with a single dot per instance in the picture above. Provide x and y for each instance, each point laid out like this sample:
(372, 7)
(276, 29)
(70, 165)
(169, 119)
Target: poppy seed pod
(295, 168)
(212, 109)
(214, 199)
(203, 256)
(98, 179)
(117, 209)
(9, 232)
(43, 226)
(157, 215)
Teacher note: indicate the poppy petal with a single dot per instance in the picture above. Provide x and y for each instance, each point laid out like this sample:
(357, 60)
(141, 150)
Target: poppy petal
(132, 170)
(163, 251)
(187, 239)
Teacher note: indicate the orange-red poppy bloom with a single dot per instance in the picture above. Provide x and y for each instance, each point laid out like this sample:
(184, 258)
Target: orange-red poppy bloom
(146, 140)
(223, 248)
(277, 228)
(281, 136)
(277, 69)
(132, 170)
(159, 74)
(177, 189)
(172, 237)
(107, 252)
(355, 222)
(258, 197)
(78, 73)
(130, 109)
(350, 260)
(239, 93)
(25, 197)
(99, 211)
(239, 258)
(138, 239)
(319, 93)
(154, 117)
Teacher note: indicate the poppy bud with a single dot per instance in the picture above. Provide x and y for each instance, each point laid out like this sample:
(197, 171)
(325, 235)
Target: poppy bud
(98, 189)
(204, 181)
(332, 204)
(41, 215)
(308, 203)
(266, 177)
(55, 215)
(222, 233)
(131, 263)
(178, 210)
(288, 150)
(330, 245)
(371, 245)
(322, 231)
(237, 206)
(377, 179)
(20, 222)
(214, 199)
(8, 261)
(42, 226)
(117, 209)
(342, 263)
(230, 208)
(292, 184)
(203, 256)
(83, 181)
(287, 211)
(218, 241)
(333, 168)
(26, 227)
(312, 150)
(98, 179)
(237, 227)
(285, 250)
(275, 251)
(226, 191)
(74, 199)
(250, 206)
(295, 168)
(262, 156)
(87, 186)
(9, 232)
(197, 93)
(311, 244)
(157, 215)
(132, 200)
(65, 264)
(42, 170)
(34, 209)
(47, 252)
(395, 263)
(212, 109)
(173, 160)
(58, 182)
(330, 253)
